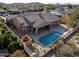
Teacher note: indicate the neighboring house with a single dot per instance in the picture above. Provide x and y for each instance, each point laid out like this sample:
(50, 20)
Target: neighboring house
(3, 12)
(67, 10)
(57, 13)
(14, 11)
(61, 11)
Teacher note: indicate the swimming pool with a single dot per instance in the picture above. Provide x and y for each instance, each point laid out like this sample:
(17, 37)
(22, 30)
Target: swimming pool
(46, 40)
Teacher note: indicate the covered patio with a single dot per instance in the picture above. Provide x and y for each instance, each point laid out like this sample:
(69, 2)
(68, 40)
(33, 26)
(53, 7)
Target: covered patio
(36, 28)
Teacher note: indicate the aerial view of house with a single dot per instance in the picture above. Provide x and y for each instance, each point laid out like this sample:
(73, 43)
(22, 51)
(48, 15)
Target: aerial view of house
(39, 30)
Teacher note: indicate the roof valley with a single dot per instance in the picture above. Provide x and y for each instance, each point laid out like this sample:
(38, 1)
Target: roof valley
(41, 16)
(30, 24)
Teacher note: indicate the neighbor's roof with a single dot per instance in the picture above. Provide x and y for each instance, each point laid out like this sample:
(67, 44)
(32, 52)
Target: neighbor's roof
(56, 13)
(61, 10)
(14, 9)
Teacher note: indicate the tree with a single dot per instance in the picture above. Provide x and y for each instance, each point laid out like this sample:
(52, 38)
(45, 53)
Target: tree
(13, 46)
(4, 37)
(1, 42)
(2, 31)
(18, 53)
(75, 13)
(7, 38)
(2, 20)
(48, 7)
(70, 6)
(67, 19)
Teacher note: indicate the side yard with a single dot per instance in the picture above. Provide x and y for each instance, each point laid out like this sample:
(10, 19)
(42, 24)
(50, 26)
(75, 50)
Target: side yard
(9, 43)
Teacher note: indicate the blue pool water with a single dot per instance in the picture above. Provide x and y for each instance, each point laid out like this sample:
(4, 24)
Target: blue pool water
(46, 40)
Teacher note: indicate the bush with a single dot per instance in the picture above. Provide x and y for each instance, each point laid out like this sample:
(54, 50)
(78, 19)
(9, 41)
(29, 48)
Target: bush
(13, 46)
(18, 53)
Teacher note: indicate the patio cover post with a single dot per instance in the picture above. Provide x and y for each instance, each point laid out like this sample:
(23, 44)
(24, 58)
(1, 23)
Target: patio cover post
(36, 31)
(31, 29)
(50, 26)
(27, 29)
